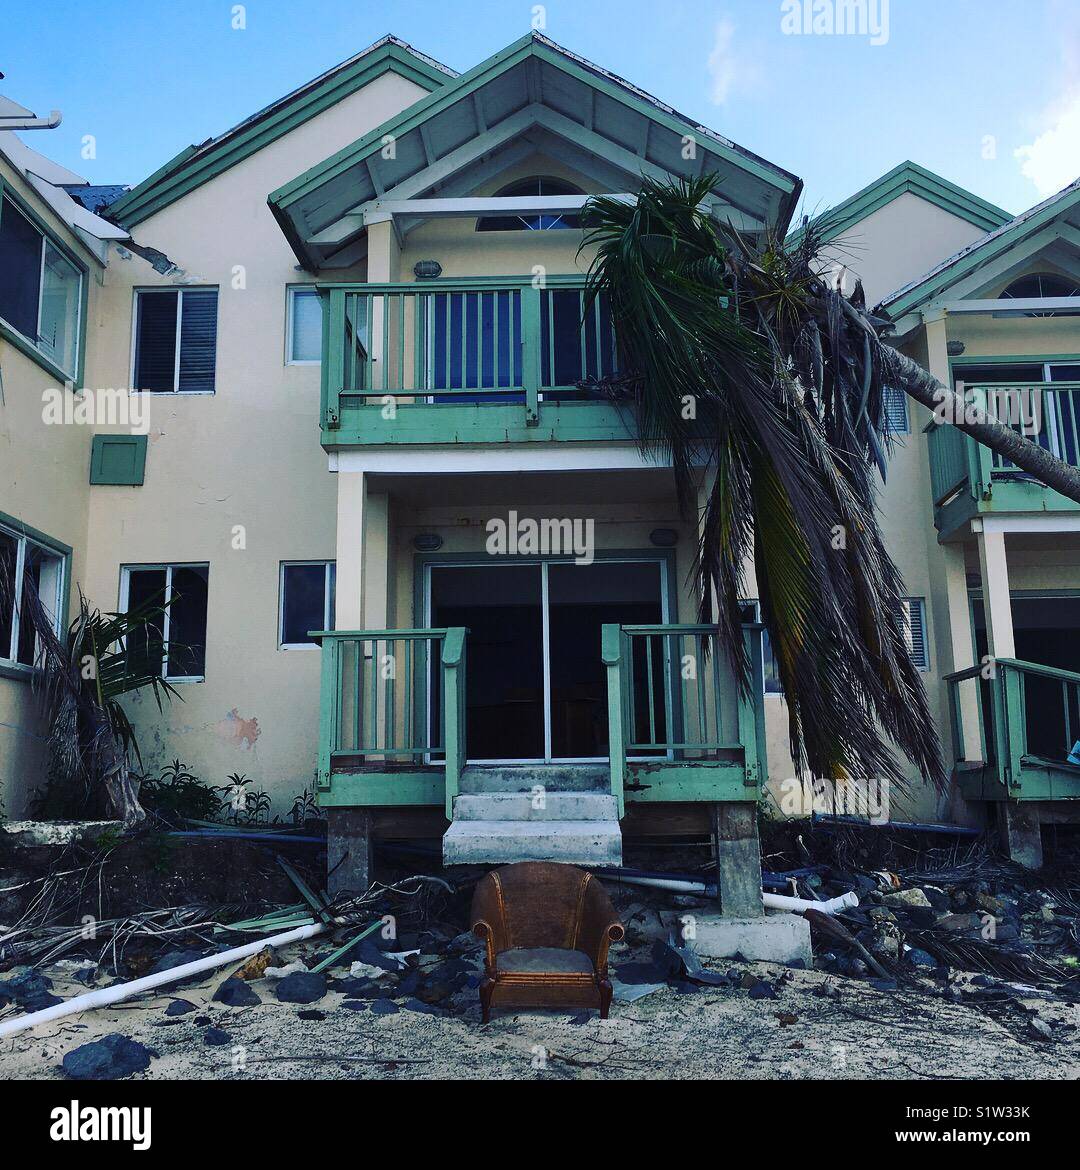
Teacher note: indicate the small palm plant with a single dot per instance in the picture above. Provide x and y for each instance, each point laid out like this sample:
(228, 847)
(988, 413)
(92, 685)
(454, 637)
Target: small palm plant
(764, 387)
(81, 675)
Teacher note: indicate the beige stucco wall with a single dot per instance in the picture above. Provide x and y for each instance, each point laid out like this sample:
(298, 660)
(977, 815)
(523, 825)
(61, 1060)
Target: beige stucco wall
(898, 243)
(44, 474)
(237, 479)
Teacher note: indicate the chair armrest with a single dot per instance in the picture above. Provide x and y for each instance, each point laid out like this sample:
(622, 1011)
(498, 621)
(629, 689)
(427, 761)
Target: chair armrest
(600, 926)
(488, 922)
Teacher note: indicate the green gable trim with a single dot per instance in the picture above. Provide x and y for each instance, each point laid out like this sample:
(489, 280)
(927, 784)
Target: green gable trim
(196, 165)
(118, 460)
(468, 83)
(979, 253)
(907, 178)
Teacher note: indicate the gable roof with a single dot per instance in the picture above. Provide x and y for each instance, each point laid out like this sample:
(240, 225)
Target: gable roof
(1028, 228)
(195, 165)
(907, 178)
(534, 82)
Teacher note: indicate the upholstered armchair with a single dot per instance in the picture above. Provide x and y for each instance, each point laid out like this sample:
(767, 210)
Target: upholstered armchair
(547, 928)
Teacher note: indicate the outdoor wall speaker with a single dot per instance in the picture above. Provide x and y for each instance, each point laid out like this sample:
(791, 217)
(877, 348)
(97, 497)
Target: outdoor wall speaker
(427, 269)
(954, 348)
(427, 542)
(664, 537)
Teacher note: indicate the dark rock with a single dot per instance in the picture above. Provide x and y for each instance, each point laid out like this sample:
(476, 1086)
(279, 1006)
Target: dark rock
(236, 993)
(201, 1021)
(355, 1005)
(938, 899)
(108, 1059)
(426, 1009)
(762, 990)
(173, 959)
(920, 958)
(579, 1019)
(883, 984)
(29, 989)
(179, 1007)
(640, 973)
(383, 1007)
(301, 987)
(311, 1014)
(216, 1037)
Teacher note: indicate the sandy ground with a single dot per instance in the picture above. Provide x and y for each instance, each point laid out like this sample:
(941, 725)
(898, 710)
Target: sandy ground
(855, 1032)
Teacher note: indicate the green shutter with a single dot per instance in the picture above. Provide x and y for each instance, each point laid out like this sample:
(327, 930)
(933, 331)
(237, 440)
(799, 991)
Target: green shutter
(119, 460)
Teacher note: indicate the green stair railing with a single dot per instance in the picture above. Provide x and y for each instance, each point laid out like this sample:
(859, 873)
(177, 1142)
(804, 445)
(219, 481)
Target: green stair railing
(391, 698)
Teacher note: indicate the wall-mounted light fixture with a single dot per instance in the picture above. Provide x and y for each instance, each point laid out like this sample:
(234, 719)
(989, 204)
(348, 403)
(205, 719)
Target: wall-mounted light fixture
(954, 348)
(664, 537)
(427, 269)
(427, 542)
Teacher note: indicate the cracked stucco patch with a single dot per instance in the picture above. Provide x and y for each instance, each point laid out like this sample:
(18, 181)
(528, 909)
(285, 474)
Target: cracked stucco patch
(236, 730)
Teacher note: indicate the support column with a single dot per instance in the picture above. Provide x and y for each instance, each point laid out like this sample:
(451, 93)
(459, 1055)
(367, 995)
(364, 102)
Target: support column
(348, 830)
(1021, 836)
(349, 861)
(996, 601)
(962, 646)
(376, 561)
(351, 506)
(738, 859)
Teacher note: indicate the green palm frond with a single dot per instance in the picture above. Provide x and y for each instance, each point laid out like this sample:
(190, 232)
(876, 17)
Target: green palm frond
(764, 384)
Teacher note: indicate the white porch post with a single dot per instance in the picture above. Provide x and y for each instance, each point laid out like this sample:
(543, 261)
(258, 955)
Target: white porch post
(996, 601)
(352, 504)
(962, 646)
(376, 583)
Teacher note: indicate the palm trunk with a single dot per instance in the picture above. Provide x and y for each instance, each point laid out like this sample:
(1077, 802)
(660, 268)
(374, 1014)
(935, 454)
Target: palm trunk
(984, 428)
(122, 790)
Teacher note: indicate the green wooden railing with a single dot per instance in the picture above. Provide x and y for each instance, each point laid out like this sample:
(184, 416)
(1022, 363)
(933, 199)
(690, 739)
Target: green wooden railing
(672, 696)
(1014, 711)
(455, 341)
(391, 698)
(958, 464)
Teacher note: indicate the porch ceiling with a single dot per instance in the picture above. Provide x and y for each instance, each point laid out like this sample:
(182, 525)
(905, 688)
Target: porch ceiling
(534, 95)
(532, 489)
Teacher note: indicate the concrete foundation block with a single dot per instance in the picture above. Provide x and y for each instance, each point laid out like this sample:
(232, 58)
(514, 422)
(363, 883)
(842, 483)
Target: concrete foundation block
(770, 938)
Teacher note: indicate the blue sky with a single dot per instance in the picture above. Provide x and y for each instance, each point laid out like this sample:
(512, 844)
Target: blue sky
(959, 86)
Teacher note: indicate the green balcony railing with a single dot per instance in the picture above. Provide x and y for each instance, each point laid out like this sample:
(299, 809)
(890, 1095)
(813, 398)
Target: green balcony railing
(962, 468)
(408, 355)
(1017, 719)
(673, 700)
(391, 699)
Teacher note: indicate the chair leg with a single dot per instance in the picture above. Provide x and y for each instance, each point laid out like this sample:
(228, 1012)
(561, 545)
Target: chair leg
(487, 989)
(606, 992)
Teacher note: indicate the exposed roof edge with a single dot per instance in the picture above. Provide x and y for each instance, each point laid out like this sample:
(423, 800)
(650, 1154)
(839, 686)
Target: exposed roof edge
(953, 268)
(788, 185)
(195, 165)
(911, 178)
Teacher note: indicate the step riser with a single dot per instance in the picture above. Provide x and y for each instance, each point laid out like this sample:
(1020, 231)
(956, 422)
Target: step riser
(506, 842)
(556, 806)
(476, 780)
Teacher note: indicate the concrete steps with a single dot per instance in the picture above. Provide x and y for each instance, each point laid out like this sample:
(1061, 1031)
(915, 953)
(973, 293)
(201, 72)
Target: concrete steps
(534, 813)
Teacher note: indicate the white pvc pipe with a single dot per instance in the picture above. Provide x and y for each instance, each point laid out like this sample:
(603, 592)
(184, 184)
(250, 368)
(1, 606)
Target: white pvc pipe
(121, 991)
(846, 901)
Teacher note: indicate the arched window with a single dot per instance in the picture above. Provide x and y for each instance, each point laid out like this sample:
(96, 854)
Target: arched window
(1041, 284)
(532, 223)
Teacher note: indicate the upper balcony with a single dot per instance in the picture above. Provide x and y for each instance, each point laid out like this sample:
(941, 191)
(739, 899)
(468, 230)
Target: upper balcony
(491, 360)
(969, 480)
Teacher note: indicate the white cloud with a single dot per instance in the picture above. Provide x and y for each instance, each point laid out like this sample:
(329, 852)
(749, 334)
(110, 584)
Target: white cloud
(722, 63)
(1052, 160)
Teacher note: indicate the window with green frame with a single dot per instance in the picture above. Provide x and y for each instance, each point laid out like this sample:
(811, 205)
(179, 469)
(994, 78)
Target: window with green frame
(40, 288)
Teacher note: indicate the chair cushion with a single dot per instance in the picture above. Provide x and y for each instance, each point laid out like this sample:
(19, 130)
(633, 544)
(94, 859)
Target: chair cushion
(541, 960)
